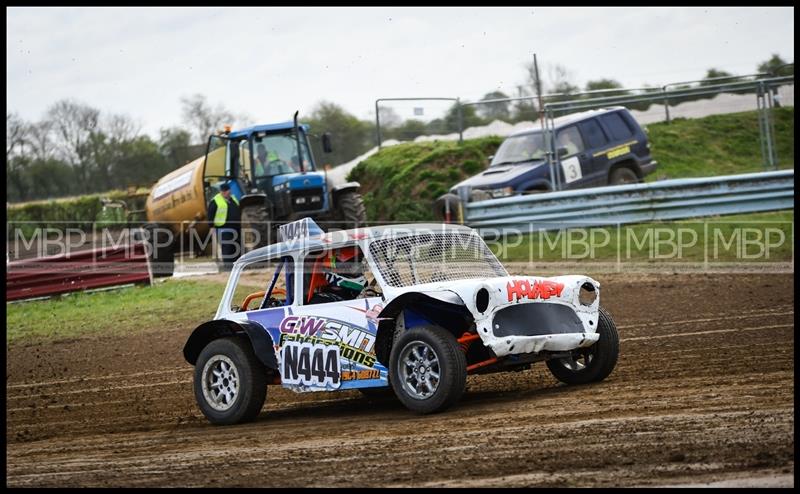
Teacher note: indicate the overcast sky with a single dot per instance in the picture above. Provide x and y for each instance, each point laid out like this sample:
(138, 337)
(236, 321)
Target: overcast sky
(269, 62)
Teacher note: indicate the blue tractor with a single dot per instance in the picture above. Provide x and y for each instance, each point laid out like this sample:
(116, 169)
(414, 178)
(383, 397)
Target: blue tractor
(273, 174)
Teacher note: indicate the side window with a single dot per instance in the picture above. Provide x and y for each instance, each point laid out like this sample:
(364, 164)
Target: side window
(595, 137)
(272, 279)
(617, 126)
(337, 274)
(570, 138)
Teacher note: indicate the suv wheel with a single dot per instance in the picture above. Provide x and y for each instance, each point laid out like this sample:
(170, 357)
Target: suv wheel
(428, 369)
(230, 383)
(622, 176)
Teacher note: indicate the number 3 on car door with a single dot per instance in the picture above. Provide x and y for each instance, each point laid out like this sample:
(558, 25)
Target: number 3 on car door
(572, 169)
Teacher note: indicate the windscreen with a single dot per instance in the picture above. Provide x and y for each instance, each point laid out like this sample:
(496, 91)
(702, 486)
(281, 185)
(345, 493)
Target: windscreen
(517, 149)
(276, 154)
(434, 256)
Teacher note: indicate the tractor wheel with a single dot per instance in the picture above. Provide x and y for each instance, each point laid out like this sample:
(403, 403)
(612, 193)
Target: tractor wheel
(351, 211)
(257, 228)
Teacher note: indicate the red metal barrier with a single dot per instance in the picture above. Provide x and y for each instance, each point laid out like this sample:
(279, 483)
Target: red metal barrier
(77, 271)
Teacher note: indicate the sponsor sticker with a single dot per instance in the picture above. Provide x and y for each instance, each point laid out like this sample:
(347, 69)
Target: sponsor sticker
(543, 289)
(310, 364)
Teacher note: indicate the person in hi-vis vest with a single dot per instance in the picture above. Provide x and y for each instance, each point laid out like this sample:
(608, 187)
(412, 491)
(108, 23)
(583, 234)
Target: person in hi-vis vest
(225, 216)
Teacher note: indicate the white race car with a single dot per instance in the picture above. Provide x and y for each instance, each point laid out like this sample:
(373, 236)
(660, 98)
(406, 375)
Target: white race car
(411, 309)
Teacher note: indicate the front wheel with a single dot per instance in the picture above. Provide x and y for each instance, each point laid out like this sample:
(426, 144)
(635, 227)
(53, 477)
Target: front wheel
(428, 369)
(593, 363)
(230, 383)
(257, 229)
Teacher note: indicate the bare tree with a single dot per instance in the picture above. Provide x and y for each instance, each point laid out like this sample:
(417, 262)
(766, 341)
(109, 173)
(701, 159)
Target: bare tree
(74, 124)
(120, 127)
(201, 118)
(388, 117)
(16, 134)
(40, 140)
(559, 79)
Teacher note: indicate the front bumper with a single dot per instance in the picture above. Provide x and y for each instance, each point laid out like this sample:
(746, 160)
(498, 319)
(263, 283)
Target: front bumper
(649, 168)
(530, 315)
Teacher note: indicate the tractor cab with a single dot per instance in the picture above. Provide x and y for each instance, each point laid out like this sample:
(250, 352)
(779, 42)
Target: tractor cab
(271, 171)
(271, 164)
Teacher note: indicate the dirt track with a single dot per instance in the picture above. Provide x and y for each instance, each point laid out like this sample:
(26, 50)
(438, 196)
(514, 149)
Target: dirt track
(703, 392)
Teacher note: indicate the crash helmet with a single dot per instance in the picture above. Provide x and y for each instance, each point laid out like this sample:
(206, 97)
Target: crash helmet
(346, 269)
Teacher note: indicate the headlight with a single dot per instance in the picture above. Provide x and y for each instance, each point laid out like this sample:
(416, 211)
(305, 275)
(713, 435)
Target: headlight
(588, 294)
(504, 192)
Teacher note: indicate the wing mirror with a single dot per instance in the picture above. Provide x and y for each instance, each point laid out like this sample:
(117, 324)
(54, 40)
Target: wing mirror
(326, 143)
(489, 158)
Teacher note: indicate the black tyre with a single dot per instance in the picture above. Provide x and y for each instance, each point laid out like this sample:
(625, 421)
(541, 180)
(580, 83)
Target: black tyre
(441, 205)
(160, 249)
(350, 210)
(257, 228)
(622, 176)
(377, 393)
(593, 363)
(230, 383)
(428, 369)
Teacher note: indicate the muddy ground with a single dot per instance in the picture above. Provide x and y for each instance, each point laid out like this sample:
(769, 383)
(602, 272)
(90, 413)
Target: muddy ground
(703, 394)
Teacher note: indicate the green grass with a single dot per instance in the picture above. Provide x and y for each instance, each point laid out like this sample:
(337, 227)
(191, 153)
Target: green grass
(718, 145)
(725, 240)
(400, 182)
(169, 304)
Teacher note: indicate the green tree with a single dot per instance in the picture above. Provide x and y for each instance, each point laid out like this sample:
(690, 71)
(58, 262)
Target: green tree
(713, 73)
(469, 118)
(409, 130)
(53, 178)
(350, 136)
(500, 110)
(174, 145)
(139, 162)
(776, 66)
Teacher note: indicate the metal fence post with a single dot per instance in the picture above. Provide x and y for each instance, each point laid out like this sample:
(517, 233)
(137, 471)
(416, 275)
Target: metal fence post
(762, 124)
(548, 146)
(772, 147)
(378, 123)
(666, 101)
(460, 122)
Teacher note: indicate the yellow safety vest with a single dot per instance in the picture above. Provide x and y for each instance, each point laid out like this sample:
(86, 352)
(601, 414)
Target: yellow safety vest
(222, 208)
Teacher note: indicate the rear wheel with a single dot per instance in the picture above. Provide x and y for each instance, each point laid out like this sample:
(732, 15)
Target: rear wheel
(428, 369)
(622, 176)
(257, 228)
(593, 363)
(351, 211)
(230, 383)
